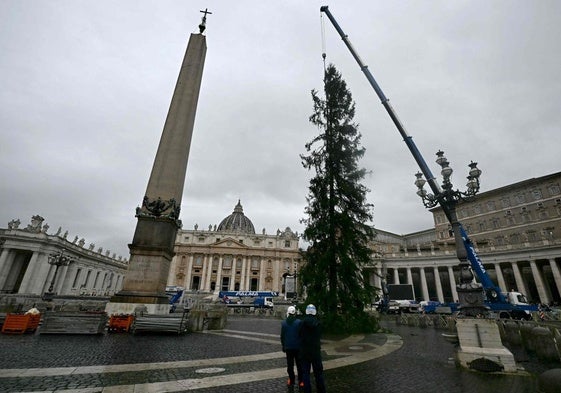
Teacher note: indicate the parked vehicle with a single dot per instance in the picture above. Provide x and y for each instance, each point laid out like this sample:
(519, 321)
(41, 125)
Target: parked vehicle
(260, 299)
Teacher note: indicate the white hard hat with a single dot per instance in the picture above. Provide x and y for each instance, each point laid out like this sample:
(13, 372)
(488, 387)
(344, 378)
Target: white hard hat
(311, 309)
(291, 310)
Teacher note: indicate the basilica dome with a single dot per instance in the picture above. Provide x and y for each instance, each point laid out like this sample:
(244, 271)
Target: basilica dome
(237, 222)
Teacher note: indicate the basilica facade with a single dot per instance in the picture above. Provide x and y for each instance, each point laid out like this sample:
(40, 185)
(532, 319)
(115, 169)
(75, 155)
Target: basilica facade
(233, 257)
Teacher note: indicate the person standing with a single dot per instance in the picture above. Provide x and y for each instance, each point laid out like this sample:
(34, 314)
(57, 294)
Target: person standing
(291, 341)
(310, 352)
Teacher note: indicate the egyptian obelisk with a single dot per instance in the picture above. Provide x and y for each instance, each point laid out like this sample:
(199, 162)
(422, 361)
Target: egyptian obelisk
(151, 250)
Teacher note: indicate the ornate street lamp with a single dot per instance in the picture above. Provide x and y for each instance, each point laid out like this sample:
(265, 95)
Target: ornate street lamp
(470, 293)
(57, 259)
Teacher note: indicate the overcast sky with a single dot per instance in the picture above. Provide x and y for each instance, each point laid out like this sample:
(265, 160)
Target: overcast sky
(85, 87)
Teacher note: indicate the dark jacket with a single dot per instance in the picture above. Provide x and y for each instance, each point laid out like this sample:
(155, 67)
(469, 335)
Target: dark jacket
(290, 333)
(310, 332)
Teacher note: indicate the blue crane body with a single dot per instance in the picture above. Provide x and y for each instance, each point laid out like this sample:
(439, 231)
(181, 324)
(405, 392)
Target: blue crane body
(511, 304)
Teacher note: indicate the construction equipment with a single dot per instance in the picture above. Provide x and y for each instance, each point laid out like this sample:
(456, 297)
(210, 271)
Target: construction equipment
(496, 300)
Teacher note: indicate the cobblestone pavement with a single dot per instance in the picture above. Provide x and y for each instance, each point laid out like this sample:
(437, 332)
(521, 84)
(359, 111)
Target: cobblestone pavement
(245, 357)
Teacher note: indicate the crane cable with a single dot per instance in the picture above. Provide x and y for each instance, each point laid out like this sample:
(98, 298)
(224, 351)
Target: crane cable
(323, 55)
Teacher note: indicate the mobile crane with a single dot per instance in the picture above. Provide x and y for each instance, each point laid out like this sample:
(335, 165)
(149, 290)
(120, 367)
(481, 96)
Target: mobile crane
(510, 305)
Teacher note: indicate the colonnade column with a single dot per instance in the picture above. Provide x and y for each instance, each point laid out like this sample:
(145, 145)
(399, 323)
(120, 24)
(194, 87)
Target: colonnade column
(424, 285)
(500, 277)
(396, 275)
(29, 281)
(6, 261)
(409, 276)
(62, 279)
(439, 292)
(68, 279)
(518, 278)
(378, 278)
(556, 274)
(540, 285)
(452, 280)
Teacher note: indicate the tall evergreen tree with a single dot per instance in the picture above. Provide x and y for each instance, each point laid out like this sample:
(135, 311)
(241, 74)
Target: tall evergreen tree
(337, 213)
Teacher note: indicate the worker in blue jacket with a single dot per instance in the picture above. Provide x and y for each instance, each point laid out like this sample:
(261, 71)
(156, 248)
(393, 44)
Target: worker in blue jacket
(291, 342)
(310, 352)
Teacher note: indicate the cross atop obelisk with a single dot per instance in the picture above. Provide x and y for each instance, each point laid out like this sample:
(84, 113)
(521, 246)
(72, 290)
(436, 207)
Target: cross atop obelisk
(152, 247)
(202, 26)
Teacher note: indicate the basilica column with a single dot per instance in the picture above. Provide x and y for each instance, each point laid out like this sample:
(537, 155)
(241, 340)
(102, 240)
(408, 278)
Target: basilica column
(243, 274)
(233, 273)
(189, 273)
(218, 286)
(208, 278)
(545, 298)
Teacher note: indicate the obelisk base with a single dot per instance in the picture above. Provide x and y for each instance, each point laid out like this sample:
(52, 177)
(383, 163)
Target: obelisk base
(130, 303)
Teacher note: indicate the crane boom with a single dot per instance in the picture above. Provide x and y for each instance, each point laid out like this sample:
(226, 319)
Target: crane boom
(386, 103)
(496, 298)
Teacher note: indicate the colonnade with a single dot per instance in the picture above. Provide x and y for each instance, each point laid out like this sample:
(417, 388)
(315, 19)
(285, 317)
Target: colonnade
(29, 272)
(435, 278)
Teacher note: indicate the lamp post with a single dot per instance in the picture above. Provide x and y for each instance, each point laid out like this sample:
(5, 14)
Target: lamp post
(470, 293)
(57, 259)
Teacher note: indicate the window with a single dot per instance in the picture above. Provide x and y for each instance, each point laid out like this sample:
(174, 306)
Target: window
(520, 198)
(477, 209)
(198, 260)
(496, 223)
(186, 238)
(491, 206)
(255, 263)
(505, 202)
(270, 244)
(554, 189)
(201, 239)
(287, 243)
(239, 263)
(482, 226)
(227, 263)
(537, 193)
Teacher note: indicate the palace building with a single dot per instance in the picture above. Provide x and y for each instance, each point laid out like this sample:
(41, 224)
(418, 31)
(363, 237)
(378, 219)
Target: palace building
(516, 231)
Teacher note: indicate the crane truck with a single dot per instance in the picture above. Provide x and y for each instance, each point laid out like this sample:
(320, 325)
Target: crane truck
(510, 305)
